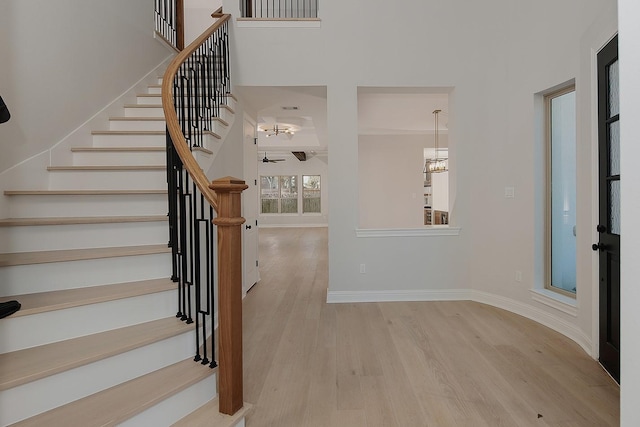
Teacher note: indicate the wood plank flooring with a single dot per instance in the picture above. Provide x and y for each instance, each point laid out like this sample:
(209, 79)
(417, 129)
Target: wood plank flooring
(308, 363)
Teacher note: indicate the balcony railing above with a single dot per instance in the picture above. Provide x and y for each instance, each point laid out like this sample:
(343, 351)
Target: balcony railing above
(169, 22)
(279, 9)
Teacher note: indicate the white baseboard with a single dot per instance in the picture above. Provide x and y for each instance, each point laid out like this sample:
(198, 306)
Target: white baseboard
(395, 296)
(547, 319)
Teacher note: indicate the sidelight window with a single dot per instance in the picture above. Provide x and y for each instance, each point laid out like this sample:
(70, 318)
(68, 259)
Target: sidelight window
(561, 191)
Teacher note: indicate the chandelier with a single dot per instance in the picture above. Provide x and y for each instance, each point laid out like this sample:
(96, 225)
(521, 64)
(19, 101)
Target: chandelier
(437, 164)
(276, 130)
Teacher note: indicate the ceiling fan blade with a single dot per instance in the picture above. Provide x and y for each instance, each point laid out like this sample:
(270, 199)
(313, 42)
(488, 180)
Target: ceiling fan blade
(267, 160)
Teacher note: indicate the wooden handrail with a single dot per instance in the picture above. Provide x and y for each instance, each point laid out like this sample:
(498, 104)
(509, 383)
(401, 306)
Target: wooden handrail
(217, 13)
(171, 116)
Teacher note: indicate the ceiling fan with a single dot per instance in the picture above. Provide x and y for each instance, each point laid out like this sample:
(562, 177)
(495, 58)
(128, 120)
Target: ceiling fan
(266, 160)
(279, 130)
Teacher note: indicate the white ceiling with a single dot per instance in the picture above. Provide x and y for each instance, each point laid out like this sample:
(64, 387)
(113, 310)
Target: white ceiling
(309, 120)
(381, 111)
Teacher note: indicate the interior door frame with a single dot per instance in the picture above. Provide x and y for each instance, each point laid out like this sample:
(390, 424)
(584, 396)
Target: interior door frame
(250, 159)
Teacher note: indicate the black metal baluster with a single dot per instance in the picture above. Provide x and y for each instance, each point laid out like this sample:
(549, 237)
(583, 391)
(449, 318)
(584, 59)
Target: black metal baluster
(211, 283)
(204, 312)
(196, 282)
(182, 246)
(172, 191)
(201, 86)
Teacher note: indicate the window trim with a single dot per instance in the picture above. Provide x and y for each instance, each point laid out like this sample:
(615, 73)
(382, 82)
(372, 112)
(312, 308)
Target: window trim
(280, 198)
(319, 190)
(548, 97)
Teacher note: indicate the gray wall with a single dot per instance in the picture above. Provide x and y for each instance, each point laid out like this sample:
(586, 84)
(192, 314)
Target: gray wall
(63, 61)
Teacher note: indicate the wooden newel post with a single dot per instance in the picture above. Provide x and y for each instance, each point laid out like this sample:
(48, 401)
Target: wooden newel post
(179, 24)
(229, 222)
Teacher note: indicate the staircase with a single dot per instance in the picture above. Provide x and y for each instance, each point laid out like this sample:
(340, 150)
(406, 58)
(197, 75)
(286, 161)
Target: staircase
(97, 341)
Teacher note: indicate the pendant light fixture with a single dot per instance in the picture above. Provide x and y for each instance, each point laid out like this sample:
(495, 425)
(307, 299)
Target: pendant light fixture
(437, 164)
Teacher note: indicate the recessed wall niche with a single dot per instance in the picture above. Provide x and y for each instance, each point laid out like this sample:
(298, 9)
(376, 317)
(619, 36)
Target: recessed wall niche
(396, 137)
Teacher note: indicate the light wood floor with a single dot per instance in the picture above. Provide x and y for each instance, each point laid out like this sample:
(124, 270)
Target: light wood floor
(308, 363)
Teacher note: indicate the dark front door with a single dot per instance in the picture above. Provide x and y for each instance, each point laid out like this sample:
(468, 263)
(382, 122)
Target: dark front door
(608, 227)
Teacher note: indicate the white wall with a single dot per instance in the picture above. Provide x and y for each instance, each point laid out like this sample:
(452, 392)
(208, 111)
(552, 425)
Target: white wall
(60, 63)
(314, 165)
(229, 160)
(197, 17)
(629, 40)
(497, 55)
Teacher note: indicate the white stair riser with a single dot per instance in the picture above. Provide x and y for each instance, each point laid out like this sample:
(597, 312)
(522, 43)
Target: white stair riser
(42, 395)
(144, 111)
(28, 331)
(212, 143)
(28, 279)
(111, 140)
(204, 160)
(123, 158)
(108, 180)
(155, 90)
(144, 99)
(38, 206)
(219, 128)
(231, 103)
(226, 115)
(175, 407)
(158, 125)
(149, 99)
(79, 236)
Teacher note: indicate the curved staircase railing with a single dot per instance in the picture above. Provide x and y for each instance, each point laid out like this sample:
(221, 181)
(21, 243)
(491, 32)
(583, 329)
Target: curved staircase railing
(196, 87)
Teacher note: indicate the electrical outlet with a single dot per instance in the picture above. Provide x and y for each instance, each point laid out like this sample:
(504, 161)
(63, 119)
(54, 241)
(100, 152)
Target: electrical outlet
(509, 192)
(363, 268)
(518, 276)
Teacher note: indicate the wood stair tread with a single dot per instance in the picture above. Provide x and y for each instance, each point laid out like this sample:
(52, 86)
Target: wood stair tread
(119, 403)
(80, 192)
(137, 119)
(202, 150)
(218, 119)
(24, 366)
(58, 300)
(17, 222)
(42, 257)
(106, 168)
(116, 149)
(209, 415)
(215, 135)
(142, 105)
(128, 132)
